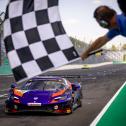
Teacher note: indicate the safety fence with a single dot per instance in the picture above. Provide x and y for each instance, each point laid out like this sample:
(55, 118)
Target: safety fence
(116, 57)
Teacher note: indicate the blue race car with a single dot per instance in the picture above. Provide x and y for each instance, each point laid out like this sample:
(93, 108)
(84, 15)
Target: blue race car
(46, 94)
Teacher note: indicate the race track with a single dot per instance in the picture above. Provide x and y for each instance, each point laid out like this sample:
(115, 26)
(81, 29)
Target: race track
(99, 85)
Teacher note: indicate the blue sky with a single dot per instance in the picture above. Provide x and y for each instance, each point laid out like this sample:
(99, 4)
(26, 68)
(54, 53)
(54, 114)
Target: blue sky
(77, 18)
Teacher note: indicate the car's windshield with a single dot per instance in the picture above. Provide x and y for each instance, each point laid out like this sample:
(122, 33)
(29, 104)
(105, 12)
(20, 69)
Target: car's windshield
(45, 85)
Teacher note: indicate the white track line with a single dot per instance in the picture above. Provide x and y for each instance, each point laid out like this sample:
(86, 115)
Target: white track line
(96, 120)
(4, 95)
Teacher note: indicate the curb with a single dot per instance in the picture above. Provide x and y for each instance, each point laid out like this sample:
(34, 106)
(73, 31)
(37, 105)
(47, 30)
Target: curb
(82, 66)
(119, 62)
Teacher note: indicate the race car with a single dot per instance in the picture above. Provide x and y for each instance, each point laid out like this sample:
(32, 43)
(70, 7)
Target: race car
(46, 94)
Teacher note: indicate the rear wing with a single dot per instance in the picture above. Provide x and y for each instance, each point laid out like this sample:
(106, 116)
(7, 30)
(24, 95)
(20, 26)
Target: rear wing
(73, 78)
(64, 76)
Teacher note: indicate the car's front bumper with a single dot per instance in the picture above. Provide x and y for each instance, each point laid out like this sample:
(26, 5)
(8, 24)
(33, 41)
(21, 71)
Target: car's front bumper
(63, 107)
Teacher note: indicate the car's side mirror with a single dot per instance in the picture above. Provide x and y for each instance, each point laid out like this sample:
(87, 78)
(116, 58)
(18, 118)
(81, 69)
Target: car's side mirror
(13, 85)
(75, 86)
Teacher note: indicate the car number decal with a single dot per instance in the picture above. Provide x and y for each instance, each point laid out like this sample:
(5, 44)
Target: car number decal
(34, 104)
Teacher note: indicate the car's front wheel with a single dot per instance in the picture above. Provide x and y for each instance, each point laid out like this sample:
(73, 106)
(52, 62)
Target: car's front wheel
(6, 110)
(69, 108)
(79, 103)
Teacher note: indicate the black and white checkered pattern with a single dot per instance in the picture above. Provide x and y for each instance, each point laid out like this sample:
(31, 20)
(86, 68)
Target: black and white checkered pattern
(35, 39)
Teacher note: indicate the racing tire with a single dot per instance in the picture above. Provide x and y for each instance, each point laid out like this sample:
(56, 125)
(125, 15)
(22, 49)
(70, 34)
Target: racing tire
(79, 103)
(6, 110)
(69, 109)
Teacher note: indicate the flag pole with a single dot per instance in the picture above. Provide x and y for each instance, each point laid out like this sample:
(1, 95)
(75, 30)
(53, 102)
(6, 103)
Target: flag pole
(2, 14)
(0, 44)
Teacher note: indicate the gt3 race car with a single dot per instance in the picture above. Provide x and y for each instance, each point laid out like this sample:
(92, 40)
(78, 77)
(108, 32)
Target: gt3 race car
(44, 93)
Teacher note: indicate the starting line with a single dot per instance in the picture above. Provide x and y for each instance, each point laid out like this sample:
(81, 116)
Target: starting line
(114, 113)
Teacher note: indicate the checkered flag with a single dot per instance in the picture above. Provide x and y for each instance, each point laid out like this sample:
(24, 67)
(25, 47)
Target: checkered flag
(35, 39)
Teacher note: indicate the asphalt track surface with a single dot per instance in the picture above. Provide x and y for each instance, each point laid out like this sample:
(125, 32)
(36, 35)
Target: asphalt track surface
(99, 85)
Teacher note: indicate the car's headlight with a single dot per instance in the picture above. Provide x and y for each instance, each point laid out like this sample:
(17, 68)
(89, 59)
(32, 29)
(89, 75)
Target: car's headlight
(60, 98)
(15, 99)
(56, 99)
